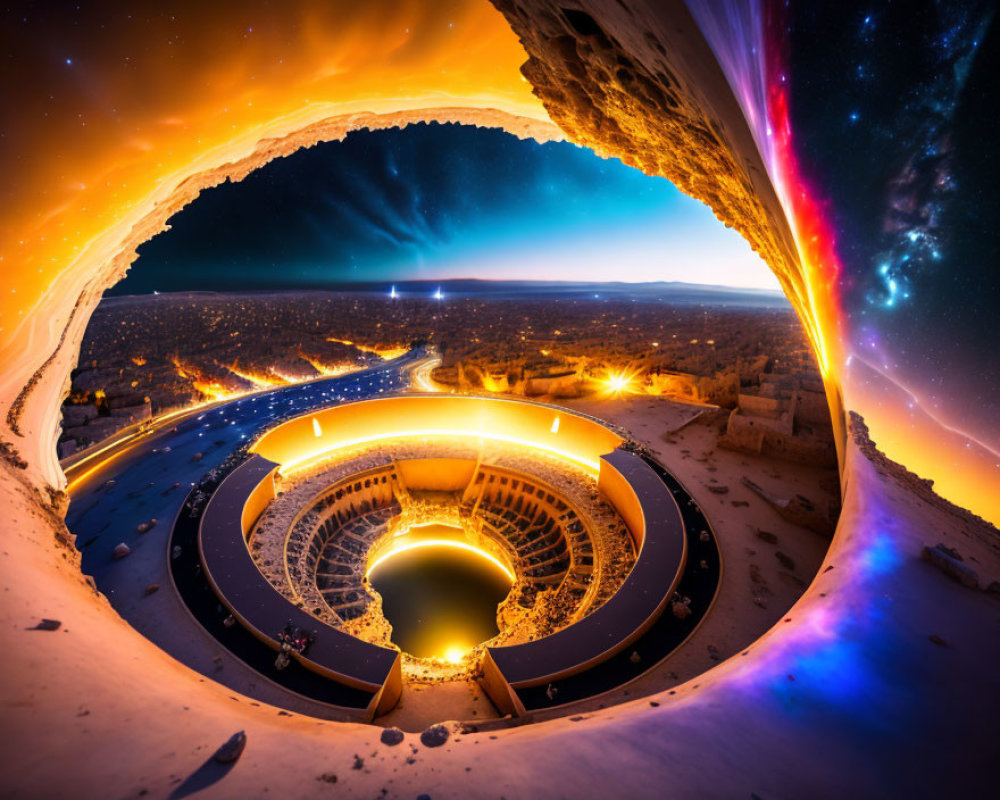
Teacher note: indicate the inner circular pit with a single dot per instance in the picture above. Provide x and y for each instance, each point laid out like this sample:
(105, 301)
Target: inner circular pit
(448, 507)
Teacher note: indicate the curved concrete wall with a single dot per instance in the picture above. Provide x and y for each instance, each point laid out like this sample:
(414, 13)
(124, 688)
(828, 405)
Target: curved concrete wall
(240, 586)
(662, 551)
(581, 440)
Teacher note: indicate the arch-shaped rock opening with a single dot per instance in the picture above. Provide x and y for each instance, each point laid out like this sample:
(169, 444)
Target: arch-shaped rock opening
(837, 666)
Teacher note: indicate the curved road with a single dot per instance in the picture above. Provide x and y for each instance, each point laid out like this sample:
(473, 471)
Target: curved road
(149, 476)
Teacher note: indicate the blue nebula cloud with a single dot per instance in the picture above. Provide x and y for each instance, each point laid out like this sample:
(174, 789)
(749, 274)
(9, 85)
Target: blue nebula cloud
(442, 201)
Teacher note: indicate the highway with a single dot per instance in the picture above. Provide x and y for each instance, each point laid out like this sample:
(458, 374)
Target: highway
(421, 375)
(148, 476)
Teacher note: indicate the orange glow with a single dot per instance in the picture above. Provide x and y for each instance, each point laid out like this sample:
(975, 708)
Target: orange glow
(258, 75)
(618, 382)
(495, 384)
(260, 380)
(328, 371)
(593, 466)
(210, 389)
(454, 543)
(420, 376)
(964, 471)
(579, 441)
(132, 140)
(385, 353)
(815, 296)
(213, 391)
(455, 654)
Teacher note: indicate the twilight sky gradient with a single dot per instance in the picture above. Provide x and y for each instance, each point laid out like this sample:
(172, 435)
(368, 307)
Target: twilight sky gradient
(443, 201)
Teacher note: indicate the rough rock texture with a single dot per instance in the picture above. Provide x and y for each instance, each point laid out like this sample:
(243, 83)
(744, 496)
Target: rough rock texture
(637, 81)
(842, 699)
(392, 737)
(618, 79)
(434, 736)
(950, 566)
(920, 487)
(232, 749)
(40, 378)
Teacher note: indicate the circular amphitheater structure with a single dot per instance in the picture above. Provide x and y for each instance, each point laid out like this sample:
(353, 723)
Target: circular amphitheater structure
(601, 549)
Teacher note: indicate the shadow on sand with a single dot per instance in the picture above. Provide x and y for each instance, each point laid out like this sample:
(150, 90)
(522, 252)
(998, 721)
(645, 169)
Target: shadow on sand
(207, 774)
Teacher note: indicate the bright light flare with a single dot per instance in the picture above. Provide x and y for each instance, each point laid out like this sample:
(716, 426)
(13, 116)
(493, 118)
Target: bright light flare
(454, 543)
(385, 353)
(455, 654)
(620, 382)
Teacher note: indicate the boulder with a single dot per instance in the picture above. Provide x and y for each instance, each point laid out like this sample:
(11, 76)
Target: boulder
(232, 749)
(434, 736)
(392, 737)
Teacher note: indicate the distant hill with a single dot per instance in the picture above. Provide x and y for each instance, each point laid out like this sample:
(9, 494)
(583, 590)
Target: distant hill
(671, 293)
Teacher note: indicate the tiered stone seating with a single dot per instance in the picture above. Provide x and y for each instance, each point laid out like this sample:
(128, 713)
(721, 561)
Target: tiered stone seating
(568, 546)
(554, 549)
(326, 547)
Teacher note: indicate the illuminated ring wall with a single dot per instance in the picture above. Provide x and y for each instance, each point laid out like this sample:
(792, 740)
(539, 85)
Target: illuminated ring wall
(655, 521)
(304, 440)
(624, 479)
(243, 589)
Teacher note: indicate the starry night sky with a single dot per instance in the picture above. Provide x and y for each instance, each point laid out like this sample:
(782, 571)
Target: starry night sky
(894, 115)
(895, 110)
(439, 201)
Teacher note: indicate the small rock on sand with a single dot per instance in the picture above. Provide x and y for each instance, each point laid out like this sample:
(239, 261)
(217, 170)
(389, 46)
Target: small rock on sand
(232, 749)
(121, 550)
(153, 587)
(391, 737)
(434, 736)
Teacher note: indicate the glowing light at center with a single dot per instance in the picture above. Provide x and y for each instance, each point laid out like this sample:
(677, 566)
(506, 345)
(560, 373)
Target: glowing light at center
(619, 382)
(453, 543)
(454, 654)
